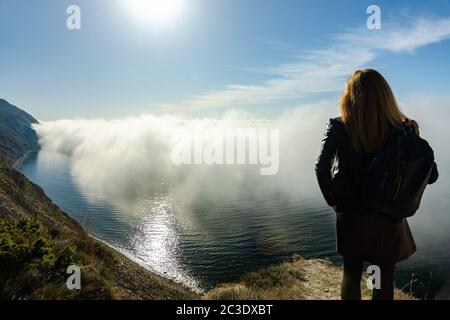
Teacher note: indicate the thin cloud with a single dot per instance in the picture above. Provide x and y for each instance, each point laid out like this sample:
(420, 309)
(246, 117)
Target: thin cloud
(323, 70)
(402, 39)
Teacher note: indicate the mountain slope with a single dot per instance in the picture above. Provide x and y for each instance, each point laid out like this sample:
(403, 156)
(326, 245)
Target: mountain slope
(17, 137)
(38, 263)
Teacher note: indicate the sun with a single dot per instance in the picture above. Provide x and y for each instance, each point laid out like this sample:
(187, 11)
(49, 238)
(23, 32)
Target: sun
(156, 12)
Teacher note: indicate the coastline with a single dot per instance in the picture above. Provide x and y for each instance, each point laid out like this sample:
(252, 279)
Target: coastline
(107, 273)
(24, 158)
(117, 250)
(136, 260)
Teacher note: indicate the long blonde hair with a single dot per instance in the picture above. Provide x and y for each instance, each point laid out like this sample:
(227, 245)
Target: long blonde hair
(369, 110)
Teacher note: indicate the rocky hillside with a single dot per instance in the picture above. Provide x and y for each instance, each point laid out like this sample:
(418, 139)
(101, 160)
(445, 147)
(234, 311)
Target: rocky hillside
(38, 241)
(16, 134)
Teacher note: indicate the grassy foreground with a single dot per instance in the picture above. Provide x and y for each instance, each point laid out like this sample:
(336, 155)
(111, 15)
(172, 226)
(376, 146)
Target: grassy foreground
(300, 279)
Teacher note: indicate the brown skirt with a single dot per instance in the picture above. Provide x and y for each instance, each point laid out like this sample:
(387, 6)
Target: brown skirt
(374, 238)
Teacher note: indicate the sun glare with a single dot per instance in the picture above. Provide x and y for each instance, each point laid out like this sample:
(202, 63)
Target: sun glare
(156, 12)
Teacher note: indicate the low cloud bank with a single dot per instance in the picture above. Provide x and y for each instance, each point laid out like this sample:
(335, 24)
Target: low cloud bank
(129, 159)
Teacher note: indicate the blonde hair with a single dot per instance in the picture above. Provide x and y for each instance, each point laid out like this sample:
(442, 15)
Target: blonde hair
(369, 110)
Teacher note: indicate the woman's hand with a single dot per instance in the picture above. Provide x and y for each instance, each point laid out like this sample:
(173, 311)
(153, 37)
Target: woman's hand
(413, 124)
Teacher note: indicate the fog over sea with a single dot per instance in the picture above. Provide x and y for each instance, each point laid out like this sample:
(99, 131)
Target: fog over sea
(203, 225)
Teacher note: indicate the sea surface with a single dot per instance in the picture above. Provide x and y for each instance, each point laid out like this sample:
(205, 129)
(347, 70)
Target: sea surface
(232, 233)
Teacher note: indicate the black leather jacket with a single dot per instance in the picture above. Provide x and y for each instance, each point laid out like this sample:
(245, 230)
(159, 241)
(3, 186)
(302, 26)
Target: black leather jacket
(337, 157)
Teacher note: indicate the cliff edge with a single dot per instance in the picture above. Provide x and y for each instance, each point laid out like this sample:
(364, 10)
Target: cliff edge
(299, 279)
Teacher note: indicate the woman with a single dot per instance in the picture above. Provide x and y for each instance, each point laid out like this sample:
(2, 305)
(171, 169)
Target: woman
(369, 115)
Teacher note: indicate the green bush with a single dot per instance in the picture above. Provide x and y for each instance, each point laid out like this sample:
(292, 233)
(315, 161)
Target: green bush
(25, 242)
(29, 258)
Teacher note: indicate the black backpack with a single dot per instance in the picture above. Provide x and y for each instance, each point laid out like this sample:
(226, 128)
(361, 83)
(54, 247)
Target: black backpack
(397, 175)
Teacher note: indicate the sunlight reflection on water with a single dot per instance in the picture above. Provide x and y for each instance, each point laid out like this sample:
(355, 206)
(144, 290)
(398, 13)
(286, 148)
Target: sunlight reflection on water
(156, 240)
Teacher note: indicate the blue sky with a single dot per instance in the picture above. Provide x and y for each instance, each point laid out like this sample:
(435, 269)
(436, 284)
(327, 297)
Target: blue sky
(262, 56)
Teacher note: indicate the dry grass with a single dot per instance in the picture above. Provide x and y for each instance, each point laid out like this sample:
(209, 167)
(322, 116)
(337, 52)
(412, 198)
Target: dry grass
(300, 279)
